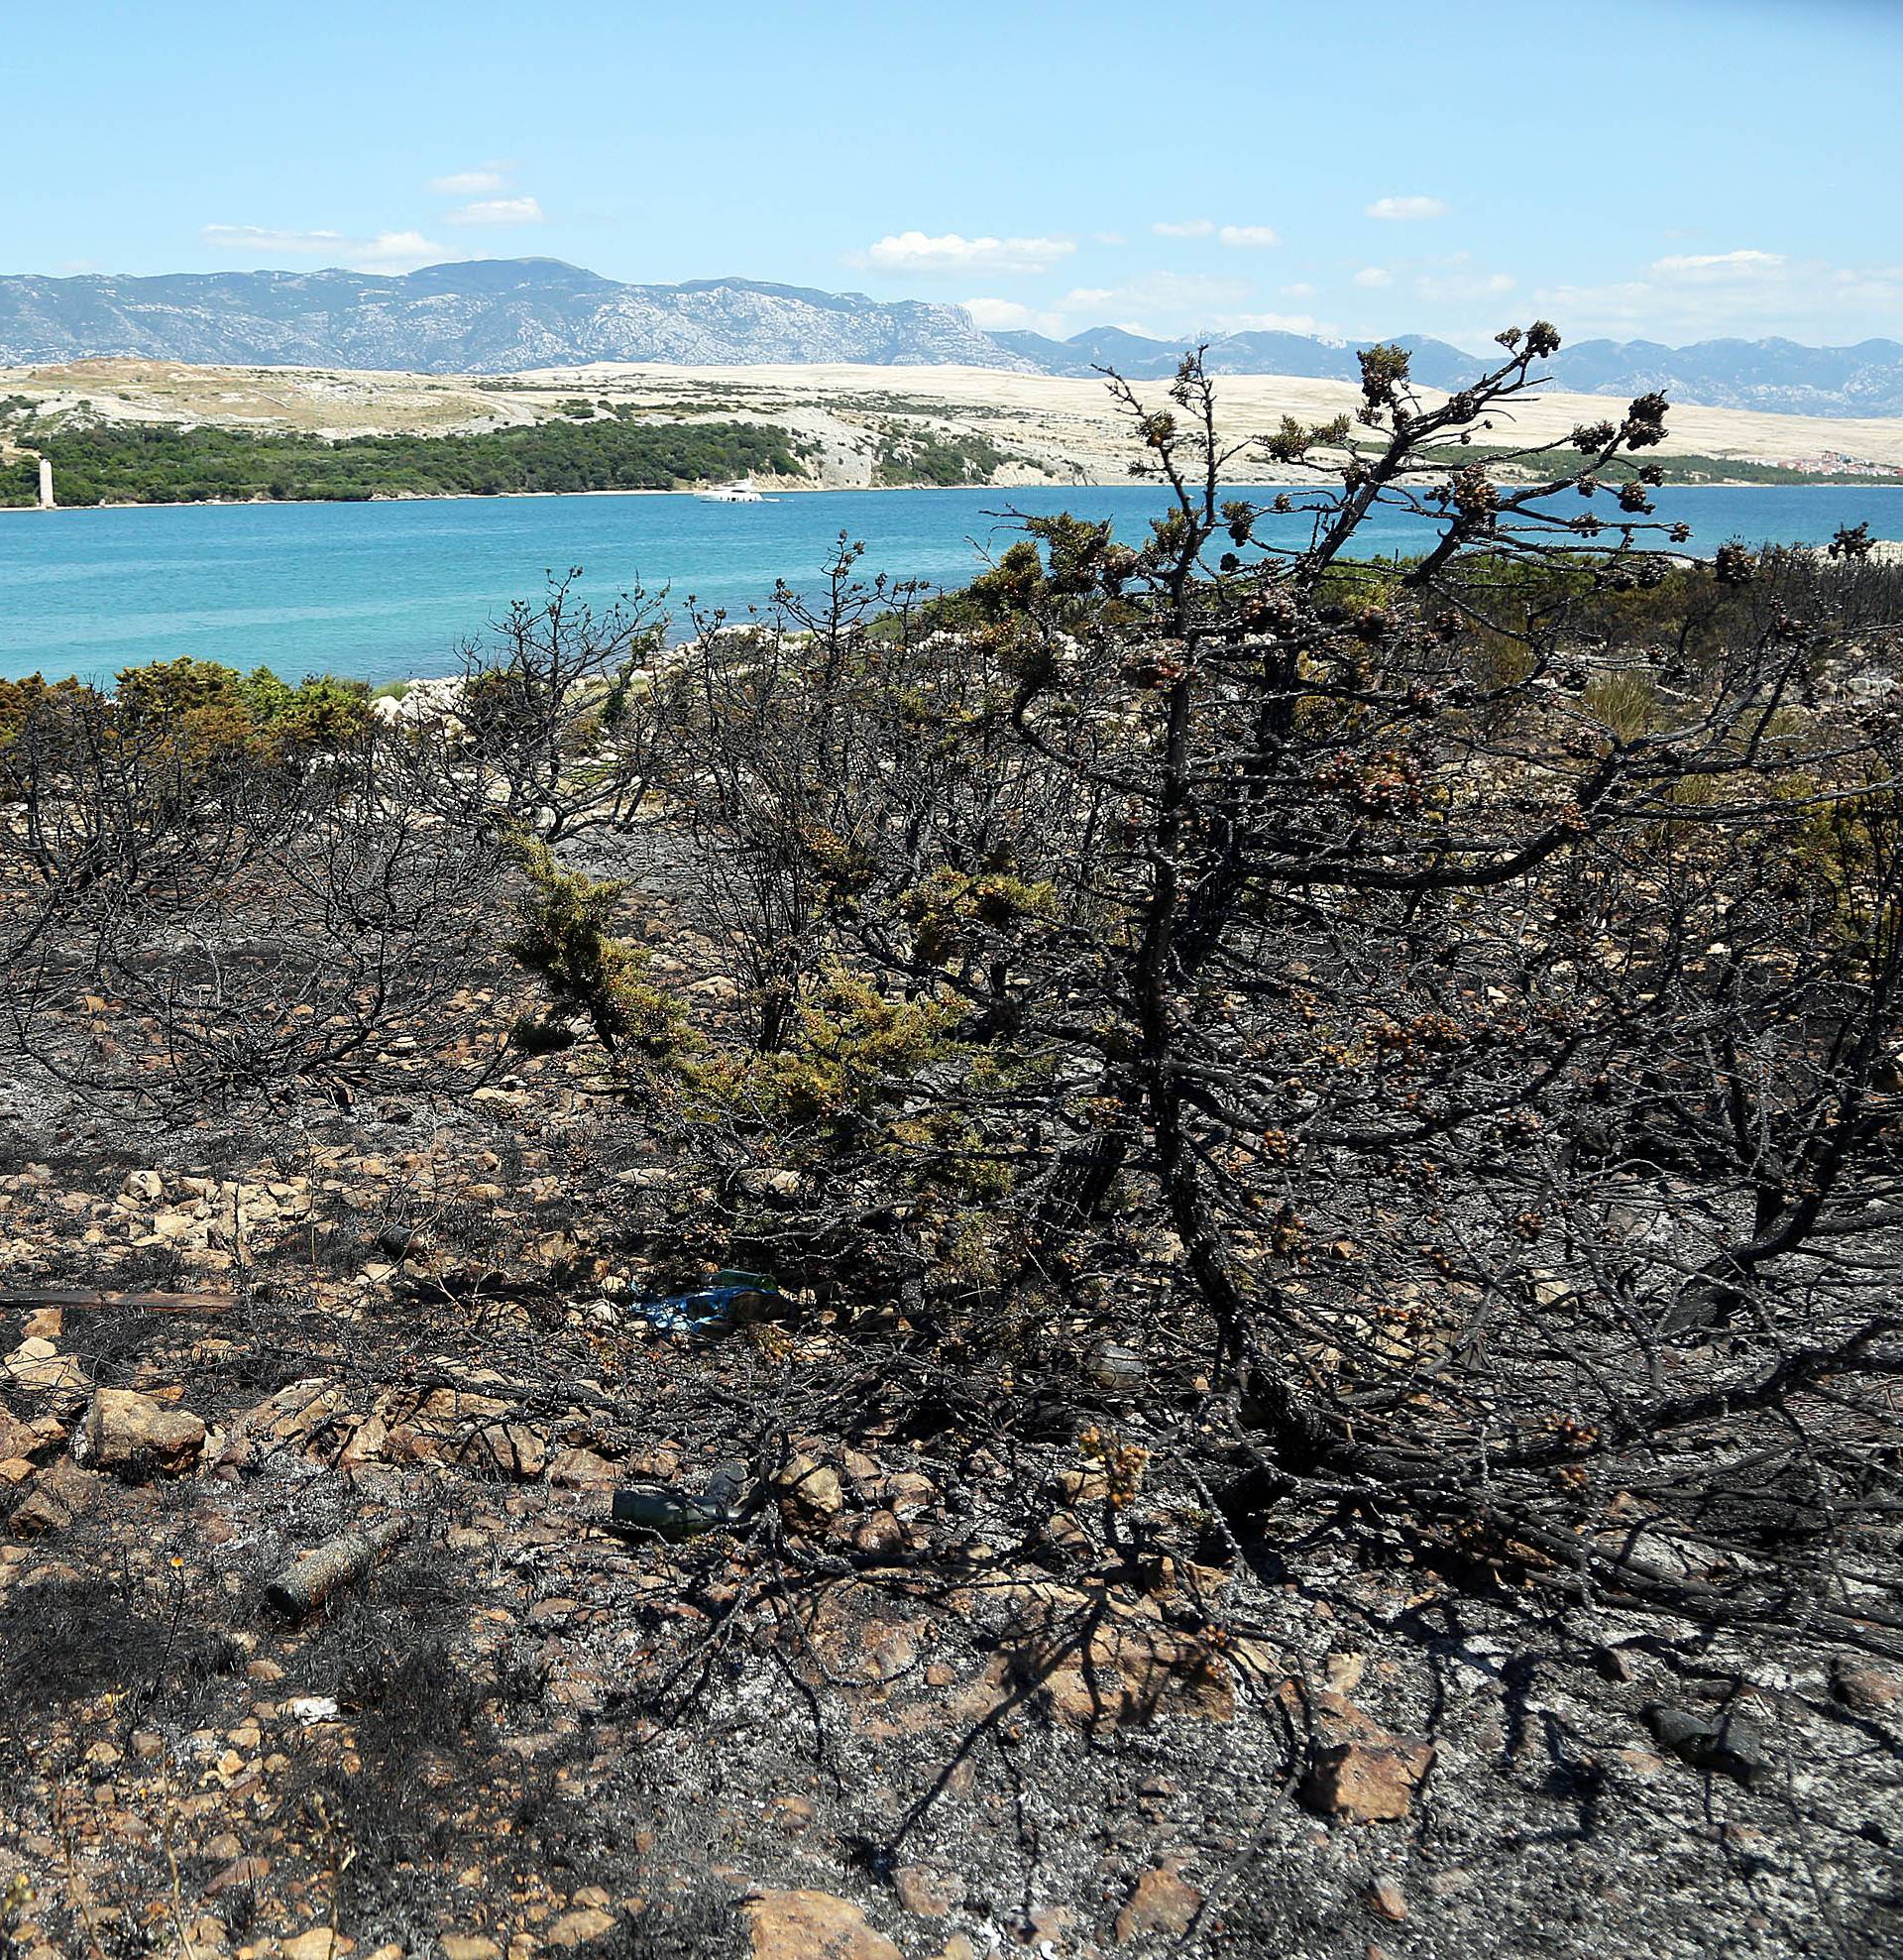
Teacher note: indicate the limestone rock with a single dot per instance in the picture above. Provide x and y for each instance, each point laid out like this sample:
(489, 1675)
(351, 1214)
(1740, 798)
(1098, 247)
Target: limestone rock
(809, 1490)
(17, 1438)
(1161, 1904)
(37, 1367)
(1360, 1772)
(1867, 1690)
(812, 1926)
(1368, 1783)
(580, 1470)
(58, 1497)
(577, 1928)
(313, 1943)
(134, 1437)
(931, 1895)
(288, 1418)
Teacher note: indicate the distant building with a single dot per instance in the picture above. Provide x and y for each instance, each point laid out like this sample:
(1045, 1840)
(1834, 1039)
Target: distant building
(45, 484)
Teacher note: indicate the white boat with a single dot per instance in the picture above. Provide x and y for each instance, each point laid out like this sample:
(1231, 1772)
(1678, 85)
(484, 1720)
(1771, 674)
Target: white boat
(740, 492)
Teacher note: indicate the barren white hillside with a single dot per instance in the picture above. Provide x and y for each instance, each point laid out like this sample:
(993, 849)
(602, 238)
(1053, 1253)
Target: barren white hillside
(1049, 428)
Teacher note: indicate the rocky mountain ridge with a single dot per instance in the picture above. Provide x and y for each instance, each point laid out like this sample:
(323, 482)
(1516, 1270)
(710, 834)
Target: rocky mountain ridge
(1772, 377)
(490, 316)
(500, 316)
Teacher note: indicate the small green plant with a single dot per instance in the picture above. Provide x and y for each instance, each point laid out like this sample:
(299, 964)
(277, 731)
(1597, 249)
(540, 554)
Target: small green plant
(566, 937)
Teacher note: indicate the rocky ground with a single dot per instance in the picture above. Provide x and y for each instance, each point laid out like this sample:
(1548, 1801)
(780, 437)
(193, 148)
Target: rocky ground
(933, 1698)
(930, 1690)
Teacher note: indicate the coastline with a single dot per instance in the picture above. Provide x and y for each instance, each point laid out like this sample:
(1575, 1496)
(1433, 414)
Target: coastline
(781, 491)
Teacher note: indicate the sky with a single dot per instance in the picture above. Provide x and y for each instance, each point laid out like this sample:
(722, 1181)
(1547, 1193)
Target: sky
(1676, 170)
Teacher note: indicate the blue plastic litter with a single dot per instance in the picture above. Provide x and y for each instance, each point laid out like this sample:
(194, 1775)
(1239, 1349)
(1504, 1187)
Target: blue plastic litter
(710, 1306)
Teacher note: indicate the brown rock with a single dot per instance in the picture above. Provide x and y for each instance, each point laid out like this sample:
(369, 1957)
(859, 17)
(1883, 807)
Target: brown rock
(881, 1536)
(240, 1872)
(134, 1437)
(580, 1470)
(468, 1946)
(1161, 1903)
(1386, 1896)
(907, 1493)
(810, 1490)
(505, 1449)
(791, 1813)
(931, 1895)
(414, 1442)
(37, 1367)
(578, 1928)
(56, 1498)
(1366, 1783)
(365, 1443)
(1359, 1771)
(314, 1943)
(1135, 1670)
(1869, 1690)
(288, 1418)
(812, 1926)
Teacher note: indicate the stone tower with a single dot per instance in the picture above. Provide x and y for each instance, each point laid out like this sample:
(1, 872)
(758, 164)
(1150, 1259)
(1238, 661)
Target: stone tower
(45, 484)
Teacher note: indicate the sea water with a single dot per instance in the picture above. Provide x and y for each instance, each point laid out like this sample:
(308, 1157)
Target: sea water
(382, 591)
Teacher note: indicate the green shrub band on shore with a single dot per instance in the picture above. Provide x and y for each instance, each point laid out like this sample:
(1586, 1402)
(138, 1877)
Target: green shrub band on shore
(169, 465)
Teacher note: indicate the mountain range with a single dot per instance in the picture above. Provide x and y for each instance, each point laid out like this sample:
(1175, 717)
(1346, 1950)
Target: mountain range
(502, 315)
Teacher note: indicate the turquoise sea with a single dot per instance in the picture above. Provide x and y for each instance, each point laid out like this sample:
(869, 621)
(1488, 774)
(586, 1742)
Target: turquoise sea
(382, 591)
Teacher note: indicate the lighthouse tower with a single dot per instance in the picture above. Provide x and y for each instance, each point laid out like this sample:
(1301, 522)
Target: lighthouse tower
(45, 484)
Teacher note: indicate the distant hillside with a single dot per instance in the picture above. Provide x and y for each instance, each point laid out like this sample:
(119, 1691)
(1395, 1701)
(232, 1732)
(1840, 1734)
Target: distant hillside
(1772, 377)
(501, 316)
(1777, 377)
(1436, 363)
(490, 316)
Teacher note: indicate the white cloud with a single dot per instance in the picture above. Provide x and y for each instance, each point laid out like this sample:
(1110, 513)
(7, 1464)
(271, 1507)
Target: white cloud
(1249, 235)
(1441, 289)
(388, 252)
(267, 238)
(1108, 238)
(395, 251)
(1744, 294)
(1186, 228)
(1000, 316)
(1176, 303)
(915, 252)
(1401, 210)
(1372, 278)
(468, 183)
(1719, 262)
(1271, 323)
(1301, 290)
(498, 211)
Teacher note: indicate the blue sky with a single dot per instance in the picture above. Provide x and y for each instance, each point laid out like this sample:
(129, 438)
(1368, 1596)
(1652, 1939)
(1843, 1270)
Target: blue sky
(1674, 169)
